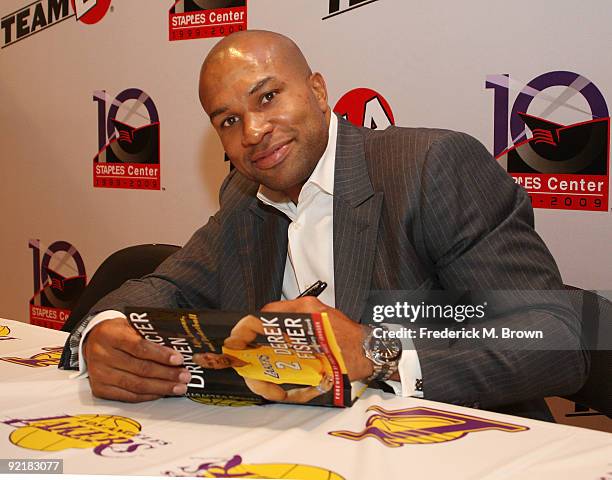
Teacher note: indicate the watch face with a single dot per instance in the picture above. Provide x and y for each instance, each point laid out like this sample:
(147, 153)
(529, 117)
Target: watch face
(384, 350)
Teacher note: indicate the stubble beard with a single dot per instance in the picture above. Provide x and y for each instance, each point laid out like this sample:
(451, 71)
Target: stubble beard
(299, 167)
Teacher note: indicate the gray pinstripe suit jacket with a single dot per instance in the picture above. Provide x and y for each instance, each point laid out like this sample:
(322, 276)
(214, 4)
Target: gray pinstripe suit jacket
(413, 208)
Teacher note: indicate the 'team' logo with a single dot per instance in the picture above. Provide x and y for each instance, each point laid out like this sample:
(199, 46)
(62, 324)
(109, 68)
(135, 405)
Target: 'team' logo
(410, 426)
(560, 151)
(42, 14)
(365, 107)
(128, 141)
(50, 356)
(107, 435)
(234, 468)
(190, 19)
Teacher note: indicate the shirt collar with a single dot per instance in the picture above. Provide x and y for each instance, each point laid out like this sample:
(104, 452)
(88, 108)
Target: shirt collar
(322, 176)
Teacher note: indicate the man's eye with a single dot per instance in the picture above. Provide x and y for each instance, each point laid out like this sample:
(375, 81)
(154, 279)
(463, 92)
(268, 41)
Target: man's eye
(267, 97)
(228, 122)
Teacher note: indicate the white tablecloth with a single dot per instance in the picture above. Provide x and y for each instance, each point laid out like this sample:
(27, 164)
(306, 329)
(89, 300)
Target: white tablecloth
(45, 414)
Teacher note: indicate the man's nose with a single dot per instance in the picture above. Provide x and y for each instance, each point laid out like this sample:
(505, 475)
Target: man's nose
(254, 127)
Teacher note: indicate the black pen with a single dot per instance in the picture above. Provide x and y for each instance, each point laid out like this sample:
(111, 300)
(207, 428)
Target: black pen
(314, 290)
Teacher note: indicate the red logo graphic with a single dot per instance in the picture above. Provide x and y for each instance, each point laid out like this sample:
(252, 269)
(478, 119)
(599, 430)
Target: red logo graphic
(190, 19)
(59, 281)
(128, 155)
(90, 11)
(365, 108)
(41, 14)
(555, 143)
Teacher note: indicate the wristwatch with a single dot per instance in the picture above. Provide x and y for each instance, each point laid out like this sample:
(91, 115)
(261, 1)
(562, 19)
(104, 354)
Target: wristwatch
(384, 352)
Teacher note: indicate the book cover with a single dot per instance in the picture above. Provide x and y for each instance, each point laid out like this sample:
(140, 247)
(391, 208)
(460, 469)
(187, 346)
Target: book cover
(255, 358)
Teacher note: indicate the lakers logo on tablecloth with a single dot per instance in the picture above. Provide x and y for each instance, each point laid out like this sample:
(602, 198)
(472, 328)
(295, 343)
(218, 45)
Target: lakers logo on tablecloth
(107, 435)
(234, 468)
(5, 332)
(50, 356)
(418, 425)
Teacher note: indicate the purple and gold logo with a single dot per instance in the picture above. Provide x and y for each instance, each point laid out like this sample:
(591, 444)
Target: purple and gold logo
(418, 425)
(107, 435)
(50, 356)
(5, 332)
(234, 468)
(223, 400)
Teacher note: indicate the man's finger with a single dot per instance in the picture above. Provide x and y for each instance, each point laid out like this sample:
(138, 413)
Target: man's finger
(127, 381)
(145, 350)
(118, 334)
(145, 368)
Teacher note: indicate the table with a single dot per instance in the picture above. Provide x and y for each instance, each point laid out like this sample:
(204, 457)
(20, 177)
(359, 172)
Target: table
(46, 414)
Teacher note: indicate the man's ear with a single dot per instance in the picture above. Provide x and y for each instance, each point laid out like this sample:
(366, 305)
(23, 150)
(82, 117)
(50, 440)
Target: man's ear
(319, 88)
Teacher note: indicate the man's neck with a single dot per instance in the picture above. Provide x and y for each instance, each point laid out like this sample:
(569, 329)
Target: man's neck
(294, 193)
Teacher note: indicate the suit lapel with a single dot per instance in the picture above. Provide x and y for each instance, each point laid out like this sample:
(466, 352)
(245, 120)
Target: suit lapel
(356, 215)
(261, 233)
(262, 247)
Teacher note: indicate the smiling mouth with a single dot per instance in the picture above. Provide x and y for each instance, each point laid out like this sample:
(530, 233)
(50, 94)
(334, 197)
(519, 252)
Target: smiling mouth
(271, 157)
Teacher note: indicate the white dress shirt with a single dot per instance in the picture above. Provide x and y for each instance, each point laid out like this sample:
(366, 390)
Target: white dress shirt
(310, 253)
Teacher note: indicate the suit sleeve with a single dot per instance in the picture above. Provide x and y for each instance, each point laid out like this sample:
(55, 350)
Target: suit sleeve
(478, 230)
(186, 279)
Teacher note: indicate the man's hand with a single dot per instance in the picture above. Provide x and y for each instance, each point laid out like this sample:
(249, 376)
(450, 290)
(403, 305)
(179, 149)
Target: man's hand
(124, 366)
(348, 333)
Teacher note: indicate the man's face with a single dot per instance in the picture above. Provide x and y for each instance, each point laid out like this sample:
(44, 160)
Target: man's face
(270, 116)
(214, 361)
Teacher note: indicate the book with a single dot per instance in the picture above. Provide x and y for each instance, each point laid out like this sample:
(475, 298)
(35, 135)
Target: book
(253, 358)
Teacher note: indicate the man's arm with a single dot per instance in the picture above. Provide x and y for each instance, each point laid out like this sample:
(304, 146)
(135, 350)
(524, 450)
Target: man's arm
(186, 278)
(189, 278)
(121, 364)
(477, 227)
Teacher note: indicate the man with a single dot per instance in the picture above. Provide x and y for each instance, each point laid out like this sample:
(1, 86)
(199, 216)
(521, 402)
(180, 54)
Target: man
(264, 370)
(313, 197)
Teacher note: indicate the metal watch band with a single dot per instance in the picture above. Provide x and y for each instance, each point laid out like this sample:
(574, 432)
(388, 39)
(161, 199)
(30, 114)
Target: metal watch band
(380, 371)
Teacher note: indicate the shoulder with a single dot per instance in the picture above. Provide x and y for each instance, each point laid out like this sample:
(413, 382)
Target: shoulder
(236, 192)
(413, 152)
(418, 144)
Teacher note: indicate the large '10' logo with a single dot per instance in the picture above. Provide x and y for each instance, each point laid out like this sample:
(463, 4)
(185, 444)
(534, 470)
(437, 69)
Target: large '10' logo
(59, 281)
(563, 164)
(128, 141)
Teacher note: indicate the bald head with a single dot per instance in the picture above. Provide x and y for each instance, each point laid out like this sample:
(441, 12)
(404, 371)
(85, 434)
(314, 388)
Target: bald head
(269, 110)
(259, 46)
